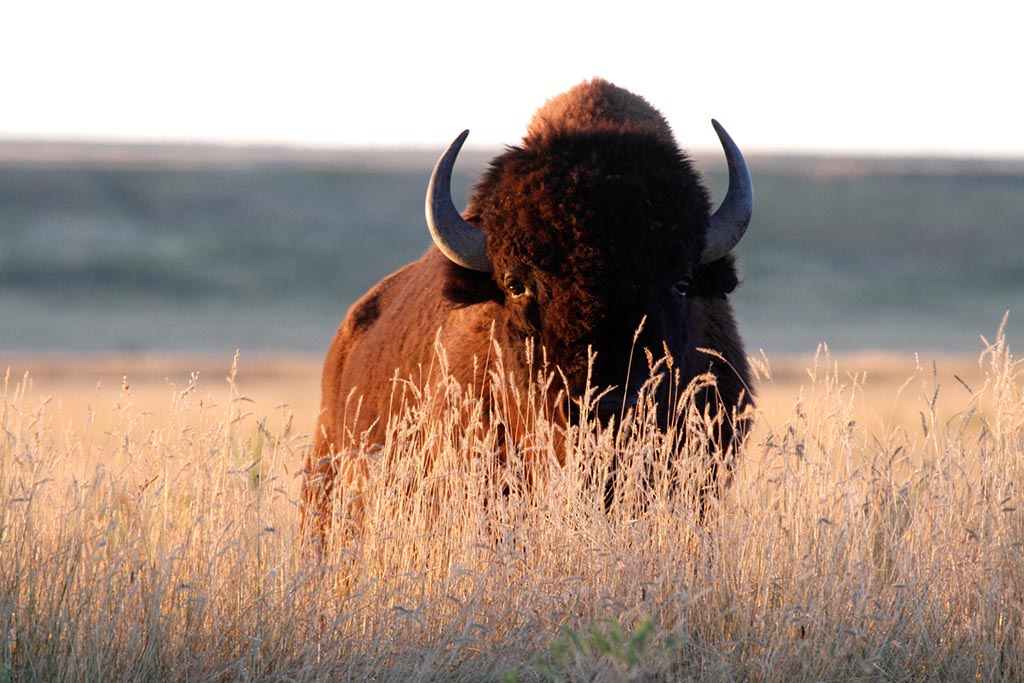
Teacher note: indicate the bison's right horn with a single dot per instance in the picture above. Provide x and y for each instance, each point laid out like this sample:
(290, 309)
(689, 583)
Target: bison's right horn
(461, 241)
(730, 221)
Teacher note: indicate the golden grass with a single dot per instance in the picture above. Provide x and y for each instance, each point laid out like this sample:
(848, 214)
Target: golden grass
(874, 531)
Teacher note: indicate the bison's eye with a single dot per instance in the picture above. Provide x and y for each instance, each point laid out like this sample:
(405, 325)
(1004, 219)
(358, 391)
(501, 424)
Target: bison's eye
(682, 285)
(515, 287)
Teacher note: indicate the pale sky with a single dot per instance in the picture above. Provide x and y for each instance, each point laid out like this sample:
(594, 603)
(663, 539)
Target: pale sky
(871, 76)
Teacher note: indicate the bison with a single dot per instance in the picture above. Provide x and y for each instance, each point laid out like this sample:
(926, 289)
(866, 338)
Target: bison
(594, 227)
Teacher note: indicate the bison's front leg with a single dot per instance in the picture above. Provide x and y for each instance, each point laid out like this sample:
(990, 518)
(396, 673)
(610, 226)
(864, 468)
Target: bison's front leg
(332, 492)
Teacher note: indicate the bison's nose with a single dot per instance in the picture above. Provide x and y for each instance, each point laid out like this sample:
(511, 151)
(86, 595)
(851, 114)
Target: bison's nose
(614, 405)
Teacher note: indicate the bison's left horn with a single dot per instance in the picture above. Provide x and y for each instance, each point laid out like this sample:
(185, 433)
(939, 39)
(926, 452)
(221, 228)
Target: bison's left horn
(730, 221)
(461, 241)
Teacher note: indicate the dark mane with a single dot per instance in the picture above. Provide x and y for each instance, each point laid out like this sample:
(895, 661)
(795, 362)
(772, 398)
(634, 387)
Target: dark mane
(464, 287)
(716, 280)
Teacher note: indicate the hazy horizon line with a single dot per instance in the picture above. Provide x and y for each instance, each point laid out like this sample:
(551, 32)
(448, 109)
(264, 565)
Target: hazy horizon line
(16, 149)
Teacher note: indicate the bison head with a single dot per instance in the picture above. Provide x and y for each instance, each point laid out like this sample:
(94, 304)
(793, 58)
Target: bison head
(596, 222)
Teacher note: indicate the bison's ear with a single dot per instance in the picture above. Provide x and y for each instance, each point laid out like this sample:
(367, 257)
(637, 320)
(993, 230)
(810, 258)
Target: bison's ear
(715, 280)
(464, 287)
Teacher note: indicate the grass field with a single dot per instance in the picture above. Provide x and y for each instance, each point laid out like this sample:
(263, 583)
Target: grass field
(874, 530)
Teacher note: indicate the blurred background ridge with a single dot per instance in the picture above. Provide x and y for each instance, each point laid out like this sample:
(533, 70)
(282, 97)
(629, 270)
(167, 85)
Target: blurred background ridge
(163, 247)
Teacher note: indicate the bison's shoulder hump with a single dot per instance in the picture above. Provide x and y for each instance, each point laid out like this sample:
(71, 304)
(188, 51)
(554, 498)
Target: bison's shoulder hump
(598, 105)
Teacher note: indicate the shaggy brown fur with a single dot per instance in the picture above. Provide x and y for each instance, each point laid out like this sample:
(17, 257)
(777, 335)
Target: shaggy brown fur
(596, 216)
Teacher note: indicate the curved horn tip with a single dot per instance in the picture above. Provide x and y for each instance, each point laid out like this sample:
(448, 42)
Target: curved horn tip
(457, 142)
(730, 221)
(463, 243)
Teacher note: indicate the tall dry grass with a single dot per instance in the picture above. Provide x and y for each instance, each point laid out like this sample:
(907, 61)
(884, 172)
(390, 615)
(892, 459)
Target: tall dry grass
(142, 549)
